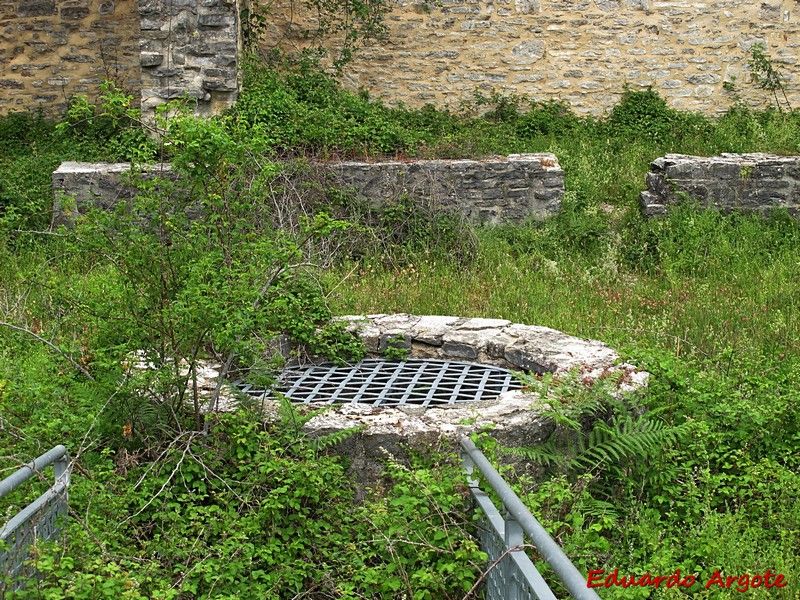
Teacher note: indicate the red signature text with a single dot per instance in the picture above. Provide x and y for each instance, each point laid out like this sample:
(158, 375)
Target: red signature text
(740, 583)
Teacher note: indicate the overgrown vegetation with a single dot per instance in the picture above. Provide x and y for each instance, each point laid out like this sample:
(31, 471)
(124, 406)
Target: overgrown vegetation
(698, 472)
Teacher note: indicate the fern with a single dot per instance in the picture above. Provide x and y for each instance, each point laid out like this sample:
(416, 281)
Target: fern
(291, 416)
(597, 509)
(626, 437)
(331, 439)
(544, 454)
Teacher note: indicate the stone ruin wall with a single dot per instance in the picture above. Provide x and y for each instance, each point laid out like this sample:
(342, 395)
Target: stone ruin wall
(748, 182)
(583, 52)
(497, 190)
(492, 190)
(52, 50)
(189, 48)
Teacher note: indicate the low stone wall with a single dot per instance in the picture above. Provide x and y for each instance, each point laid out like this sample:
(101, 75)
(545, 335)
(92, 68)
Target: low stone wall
(496, 190)
(78, 186)
(492, 190)
(752, 182)
(487, 341)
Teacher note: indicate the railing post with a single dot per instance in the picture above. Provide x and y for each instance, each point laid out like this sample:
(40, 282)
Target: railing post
(61, 468)
(514, 536)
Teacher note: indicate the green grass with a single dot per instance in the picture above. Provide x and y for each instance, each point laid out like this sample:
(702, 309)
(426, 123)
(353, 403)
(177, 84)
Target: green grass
(707, 284)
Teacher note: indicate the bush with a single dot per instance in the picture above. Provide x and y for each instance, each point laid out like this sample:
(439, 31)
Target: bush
(645, 114)
(551, 118)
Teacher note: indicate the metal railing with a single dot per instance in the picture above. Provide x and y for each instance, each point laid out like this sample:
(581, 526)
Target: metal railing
(513, 576)
(40, 519)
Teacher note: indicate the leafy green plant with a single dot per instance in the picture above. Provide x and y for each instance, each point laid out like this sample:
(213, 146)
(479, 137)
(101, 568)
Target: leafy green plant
(595, 432)
(420, 537)
(111, 126)
(645, 113)
(396, 348)
(766, 76)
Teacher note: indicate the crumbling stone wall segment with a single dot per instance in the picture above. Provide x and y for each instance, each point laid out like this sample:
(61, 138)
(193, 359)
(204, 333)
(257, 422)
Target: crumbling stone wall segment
(491, 190)
(750, 182)
(189, 49)
(582, 52)
(496, 190)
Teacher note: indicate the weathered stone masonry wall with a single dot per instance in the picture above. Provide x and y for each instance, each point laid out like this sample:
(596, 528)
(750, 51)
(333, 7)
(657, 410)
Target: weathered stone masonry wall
(51, 50)
(497, 190)
(158, 50)
(753, 182)
(190, 48)
(583, 52)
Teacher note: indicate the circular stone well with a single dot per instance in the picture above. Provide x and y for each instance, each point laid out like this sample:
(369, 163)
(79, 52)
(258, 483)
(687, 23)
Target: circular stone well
(512, 416)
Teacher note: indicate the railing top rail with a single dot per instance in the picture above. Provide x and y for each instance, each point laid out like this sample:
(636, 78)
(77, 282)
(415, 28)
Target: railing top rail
(22, 475)
(562, 566)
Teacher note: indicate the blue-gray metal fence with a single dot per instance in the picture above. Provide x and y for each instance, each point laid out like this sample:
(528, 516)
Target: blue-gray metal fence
(512, 575)
(40, 519)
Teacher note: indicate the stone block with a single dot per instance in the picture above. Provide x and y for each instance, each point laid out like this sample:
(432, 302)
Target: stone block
(214, 20)
(151, 59)
(221, 85)
(458, 350)
(75, 13)
(36, 8)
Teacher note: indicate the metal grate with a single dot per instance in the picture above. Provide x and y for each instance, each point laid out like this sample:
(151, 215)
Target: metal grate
(392, 383)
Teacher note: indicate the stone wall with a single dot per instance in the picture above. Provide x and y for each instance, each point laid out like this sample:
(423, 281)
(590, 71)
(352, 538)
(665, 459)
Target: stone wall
(189, 48)
(583, 52)
(77, 186)
(51, 50)
(497, 342)
(754, 182)
(494, 190)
